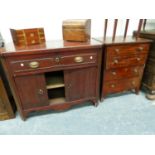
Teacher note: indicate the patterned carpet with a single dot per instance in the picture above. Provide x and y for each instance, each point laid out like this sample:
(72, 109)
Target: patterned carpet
(121, 115)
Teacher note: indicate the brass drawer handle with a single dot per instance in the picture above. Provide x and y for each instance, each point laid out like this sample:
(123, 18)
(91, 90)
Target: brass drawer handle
(78, 59)
(34, 64)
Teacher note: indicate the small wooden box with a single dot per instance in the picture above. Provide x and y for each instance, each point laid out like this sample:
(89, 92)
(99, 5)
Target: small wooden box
(28, 36)
(77, 30)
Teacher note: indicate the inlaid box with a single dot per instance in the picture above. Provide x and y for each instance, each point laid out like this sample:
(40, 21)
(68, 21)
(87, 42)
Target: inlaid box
(28, 36)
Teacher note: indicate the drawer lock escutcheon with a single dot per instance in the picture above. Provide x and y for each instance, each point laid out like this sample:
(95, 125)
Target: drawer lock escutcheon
(34, 64)
(78, 59)
(57, 59)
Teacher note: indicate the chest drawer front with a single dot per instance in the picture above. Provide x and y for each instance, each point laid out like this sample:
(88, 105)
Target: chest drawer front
(79, 59)
(127, 50)
(33, 64)
(116, 62)
(122, 73)
(121, 85)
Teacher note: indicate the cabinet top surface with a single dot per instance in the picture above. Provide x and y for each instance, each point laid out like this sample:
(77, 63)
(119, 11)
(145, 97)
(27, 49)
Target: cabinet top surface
(120, 40)
(56, 45)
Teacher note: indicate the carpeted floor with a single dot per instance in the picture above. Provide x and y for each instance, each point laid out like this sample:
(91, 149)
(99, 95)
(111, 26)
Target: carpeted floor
(121, 114)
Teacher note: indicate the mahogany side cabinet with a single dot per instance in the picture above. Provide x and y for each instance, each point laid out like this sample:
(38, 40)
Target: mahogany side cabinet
(53, 76)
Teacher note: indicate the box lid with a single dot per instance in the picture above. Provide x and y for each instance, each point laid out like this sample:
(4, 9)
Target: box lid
(76, 23)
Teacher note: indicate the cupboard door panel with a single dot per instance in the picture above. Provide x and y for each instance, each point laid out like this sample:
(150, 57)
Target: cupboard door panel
(80, 83)
(32, 91)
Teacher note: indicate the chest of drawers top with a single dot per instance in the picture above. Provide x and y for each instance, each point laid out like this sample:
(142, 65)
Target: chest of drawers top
(119, 40)
(47, 47)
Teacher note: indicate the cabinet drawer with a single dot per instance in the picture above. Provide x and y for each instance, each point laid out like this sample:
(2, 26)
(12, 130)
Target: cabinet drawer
(32, 64)
(127, 50)
(59, 60)
(121, 73)
(87, 58)
(121, 85)
(126, 61)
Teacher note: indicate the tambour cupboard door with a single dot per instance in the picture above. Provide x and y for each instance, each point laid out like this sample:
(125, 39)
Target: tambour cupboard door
(80, 83)
(32, 91)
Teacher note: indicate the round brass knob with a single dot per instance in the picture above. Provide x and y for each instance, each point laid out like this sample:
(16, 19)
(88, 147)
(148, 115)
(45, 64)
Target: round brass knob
(112, 86)
(91, 57)
(31, 34)
(113, 73)
(22, 64)
(34, 64)
(138, 59)
(33, 41)
(117, 50)
(116, 61)
(140, 49)
(136, 70)
(133, 83)
(40, 92)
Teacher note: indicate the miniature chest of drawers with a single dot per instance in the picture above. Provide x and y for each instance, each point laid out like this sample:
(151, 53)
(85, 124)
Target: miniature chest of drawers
(25, 37)
(123, 64)
(53, 76)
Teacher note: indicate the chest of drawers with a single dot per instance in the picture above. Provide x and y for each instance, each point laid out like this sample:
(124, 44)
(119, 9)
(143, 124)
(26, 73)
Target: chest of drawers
(123, 65)
(54, 76)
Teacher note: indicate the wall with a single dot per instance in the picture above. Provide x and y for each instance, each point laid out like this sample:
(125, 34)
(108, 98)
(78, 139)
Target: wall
(53, 27)
(21, 14)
